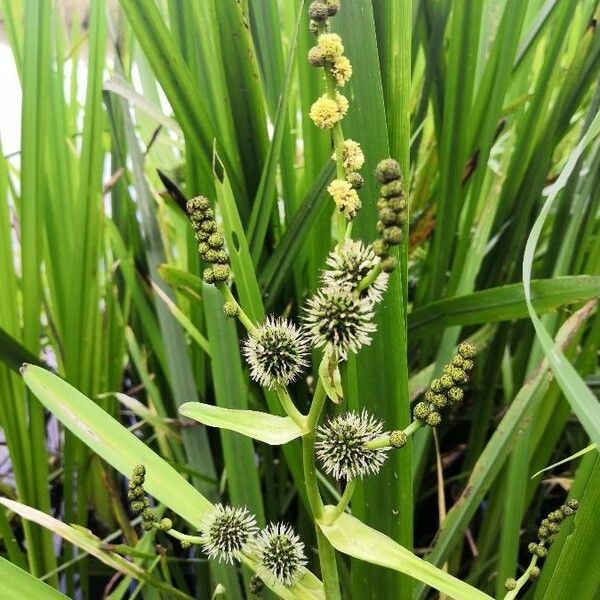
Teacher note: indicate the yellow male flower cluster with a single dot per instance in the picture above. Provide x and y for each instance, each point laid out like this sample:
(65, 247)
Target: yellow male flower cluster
(326, 112)
(345, 197)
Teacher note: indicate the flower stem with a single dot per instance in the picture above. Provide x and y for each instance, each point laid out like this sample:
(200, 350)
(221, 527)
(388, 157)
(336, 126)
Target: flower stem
(183, 537)
(242, 316)
(522, 580)
(369, 278)
(329, 572)
(385, 440)
(290, 408)
(342, 505)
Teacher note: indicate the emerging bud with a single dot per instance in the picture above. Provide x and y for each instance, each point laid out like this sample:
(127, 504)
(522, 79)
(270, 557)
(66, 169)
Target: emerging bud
(281, 553)
(277, 353)
(227, 531)
(231, 309)
(398, 439)
(510, 584)
(340, 446)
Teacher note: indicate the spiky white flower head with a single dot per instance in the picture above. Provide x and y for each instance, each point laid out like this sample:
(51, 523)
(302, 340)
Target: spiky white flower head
(281, 553)
(345, 197)
(336, 317)
(352, 155)
(349, 263)
(325, 112)
(341, 70)
(227, 531)
(340, 446)
(277, 353)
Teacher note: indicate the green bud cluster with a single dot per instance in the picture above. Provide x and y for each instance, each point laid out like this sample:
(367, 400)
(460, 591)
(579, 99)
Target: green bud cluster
(550, 526)
(138, 501)
(319, 13)
(392, 211)
(211, 244)
(447, 389)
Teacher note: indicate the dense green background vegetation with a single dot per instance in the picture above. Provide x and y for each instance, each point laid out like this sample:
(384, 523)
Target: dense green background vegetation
(482, 102)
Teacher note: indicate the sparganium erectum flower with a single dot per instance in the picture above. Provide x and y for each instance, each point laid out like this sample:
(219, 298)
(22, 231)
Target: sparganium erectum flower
(277, 353)
(227, 531)
(336, 317)
(349, 263)
(340, 446)
(281, 553)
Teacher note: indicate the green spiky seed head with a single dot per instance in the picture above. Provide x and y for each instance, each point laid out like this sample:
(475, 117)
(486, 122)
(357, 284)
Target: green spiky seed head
(139, 471)
(468, 365)
(510, 583)
(393, 188)
(393, 235)
(147, 525)
(380, 248)
(137, 492)
(540, 550)
(446, 381)
(455, 395)
(197, 204)
(382, 203)
(185, 545)
(165, 524)
(209, 275)
(398, 205)
(201, 236)
(216, 241)
(458, 361)
(534, 572)
(421, 411)
(567, 511)
(556, 516)
(436, 386)
(203, 248)
(388, 170)
(543, 532)
(231, 309)
(208, 226)
(318, 11)
(433, 419)
(356, 180)
(439, 400)
(467, 350)
(221, 273)
(553, 528)
(316, 57)
(212, 256)
(457, 374)
(148, 514)
(137, 506)
(388, 217)
(398, 439)
(532, 547)
(572, 503)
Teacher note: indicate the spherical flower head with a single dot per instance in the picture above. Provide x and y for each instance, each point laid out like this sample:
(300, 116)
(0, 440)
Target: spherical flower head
(331, 45)
(349, 263)
(277, 353)
(318, 11)
(281, 553)
(388, 170)
(337, 318)
(345, 197)
(340, 446)
(342, 103)
(227, 531)
(355, 180)
(467, 350)
(352, 155)
(325, 112)
(315, 57)
(510, 583)
(341, 70)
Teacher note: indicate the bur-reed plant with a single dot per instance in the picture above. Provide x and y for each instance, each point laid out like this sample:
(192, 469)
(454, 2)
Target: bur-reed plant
(365, 319)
